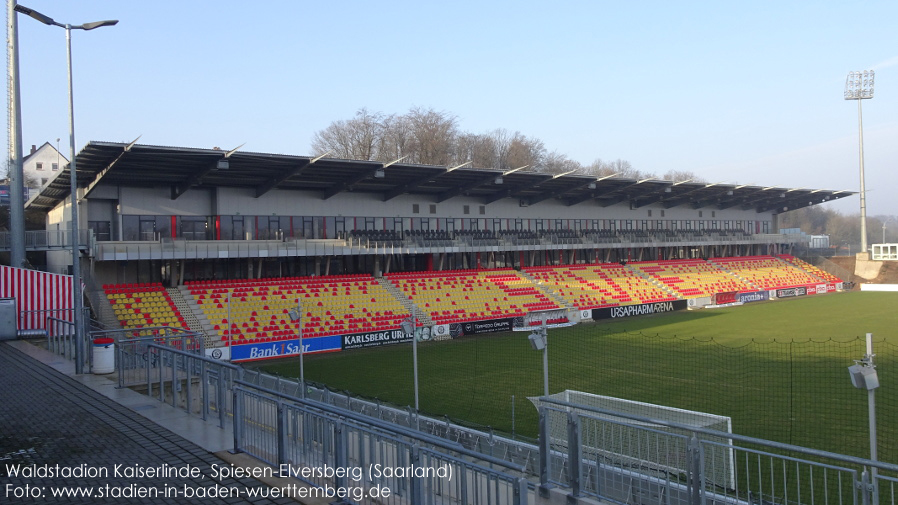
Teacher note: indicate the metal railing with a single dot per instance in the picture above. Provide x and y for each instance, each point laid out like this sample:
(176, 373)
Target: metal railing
(61, 338)
(194, 383)
(485, 441)
(132, 349)
(630, 459)
(290, 432)
(46, 240)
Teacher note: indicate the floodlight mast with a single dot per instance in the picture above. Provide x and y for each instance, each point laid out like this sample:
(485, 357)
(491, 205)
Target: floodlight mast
(859, 86)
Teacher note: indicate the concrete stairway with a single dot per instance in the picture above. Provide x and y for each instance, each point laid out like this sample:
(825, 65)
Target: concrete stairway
(408, 304)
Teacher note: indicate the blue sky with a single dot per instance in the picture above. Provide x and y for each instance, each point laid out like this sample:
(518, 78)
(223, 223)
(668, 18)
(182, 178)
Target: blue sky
(738, 92)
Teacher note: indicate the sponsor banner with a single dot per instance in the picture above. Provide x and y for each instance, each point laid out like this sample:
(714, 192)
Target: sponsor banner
(790, 292)
(550, 318)
(446, 331)
(724, 298)
(376, 338)
(838, 286)
(489, 326)
(219, 353)
(756, 296)
(4, 196)
(284, 348)
(696, 303)
(638, 310)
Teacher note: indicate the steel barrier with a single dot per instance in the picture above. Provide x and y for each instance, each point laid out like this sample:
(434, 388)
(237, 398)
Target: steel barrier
(413, 467)
(131, 346)
(706, 467)
(191, 382)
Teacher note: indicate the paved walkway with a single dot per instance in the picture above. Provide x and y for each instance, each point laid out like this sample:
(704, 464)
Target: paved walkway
(70, 432)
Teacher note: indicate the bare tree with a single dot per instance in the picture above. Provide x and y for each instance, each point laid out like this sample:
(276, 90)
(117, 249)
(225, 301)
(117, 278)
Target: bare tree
(431, 137)
(557, 163)
(434, 134)
(357, 138)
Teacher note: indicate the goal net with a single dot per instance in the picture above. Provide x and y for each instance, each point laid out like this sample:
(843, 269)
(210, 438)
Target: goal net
(641, 446)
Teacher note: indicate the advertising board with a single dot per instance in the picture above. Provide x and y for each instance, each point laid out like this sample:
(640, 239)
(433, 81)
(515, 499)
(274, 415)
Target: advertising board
(284, 348)
(638, 310)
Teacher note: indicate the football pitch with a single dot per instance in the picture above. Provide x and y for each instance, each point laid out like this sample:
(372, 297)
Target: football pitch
(777, 368)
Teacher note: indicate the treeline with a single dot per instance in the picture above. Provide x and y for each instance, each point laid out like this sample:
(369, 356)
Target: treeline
(843, 230)
(430, 137)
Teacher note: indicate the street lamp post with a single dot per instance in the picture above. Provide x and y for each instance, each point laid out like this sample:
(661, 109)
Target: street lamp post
(76, 253)
(859, 86)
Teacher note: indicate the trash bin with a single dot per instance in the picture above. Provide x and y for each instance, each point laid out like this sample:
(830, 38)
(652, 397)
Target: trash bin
(104, 356)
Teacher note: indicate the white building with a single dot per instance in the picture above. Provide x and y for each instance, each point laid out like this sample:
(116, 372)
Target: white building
(42, 164)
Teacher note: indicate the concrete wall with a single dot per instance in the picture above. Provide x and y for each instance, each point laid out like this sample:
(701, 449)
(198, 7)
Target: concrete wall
(242, 201)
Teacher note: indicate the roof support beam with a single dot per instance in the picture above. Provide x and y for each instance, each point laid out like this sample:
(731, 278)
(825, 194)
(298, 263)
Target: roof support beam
(347, 185)
(180, 189)
(102, 173)
(296, 170)
(474, 185)
(405, 188)
(544, 196)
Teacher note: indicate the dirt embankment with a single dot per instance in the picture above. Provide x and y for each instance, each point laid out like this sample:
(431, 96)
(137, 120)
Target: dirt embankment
(888, 274)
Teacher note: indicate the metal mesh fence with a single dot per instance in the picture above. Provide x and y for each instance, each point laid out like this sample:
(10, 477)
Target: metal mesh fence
(795, 392)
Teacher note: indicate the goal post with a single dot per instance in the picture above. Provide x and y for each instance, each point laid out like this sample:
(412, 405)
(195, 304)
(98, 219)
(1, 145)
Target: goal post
(641, 445)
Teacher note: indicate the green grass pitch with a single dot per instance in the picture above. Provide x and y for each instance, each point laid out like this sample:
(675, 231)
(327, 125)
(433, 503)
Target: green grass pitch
(777, 368)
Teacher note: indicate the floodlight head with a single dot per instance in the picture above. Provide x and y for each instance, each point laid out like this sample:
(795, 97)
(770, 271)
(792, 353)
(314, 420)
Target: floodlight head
(499, 180)
(408, 326)
(380, 173)
(294, 315)
(223, 164)
(863, 377)
(859, 85)
(537, 342)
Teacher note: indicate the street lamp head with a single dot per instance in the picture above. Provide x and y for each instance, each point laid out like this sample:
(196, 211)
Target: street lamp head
(859, 85)
(97, 24)
(47, 20)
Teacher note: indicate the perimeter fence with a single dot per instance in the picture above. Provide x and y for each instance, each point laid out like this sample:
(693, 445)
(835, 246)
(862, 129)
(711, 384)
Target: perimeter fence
(794, 392)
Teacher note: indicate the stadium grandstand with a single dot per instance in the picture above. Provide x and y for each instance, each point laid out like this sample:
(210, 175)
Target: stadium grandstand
(228, 243)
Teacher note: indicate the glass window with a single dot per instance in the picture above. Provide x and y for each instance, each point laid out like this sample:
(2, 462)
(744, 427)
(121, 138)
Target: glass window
(466, 209)
(416, 209)
(101, 229)
(55, 166)
(194, 228)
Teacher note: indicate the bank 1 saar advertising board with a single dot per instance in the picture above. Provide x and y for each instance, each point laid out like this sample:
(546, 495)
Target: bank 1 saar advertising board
(285, 348)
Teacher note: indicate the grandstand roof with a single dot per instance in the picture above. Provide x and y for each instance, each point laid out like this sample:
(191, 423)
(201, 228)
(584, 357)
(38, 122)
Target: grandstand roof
(181, 169)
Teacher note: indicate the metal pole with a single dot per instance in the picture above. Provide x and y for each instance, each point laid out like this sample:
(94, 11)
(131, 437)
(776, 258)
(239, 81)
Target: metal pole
(230, 336)
(871, 415)
(860, 129)
(14, 166)
(546, 368)
(302, 349)
(76, 250)
(415, 359)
